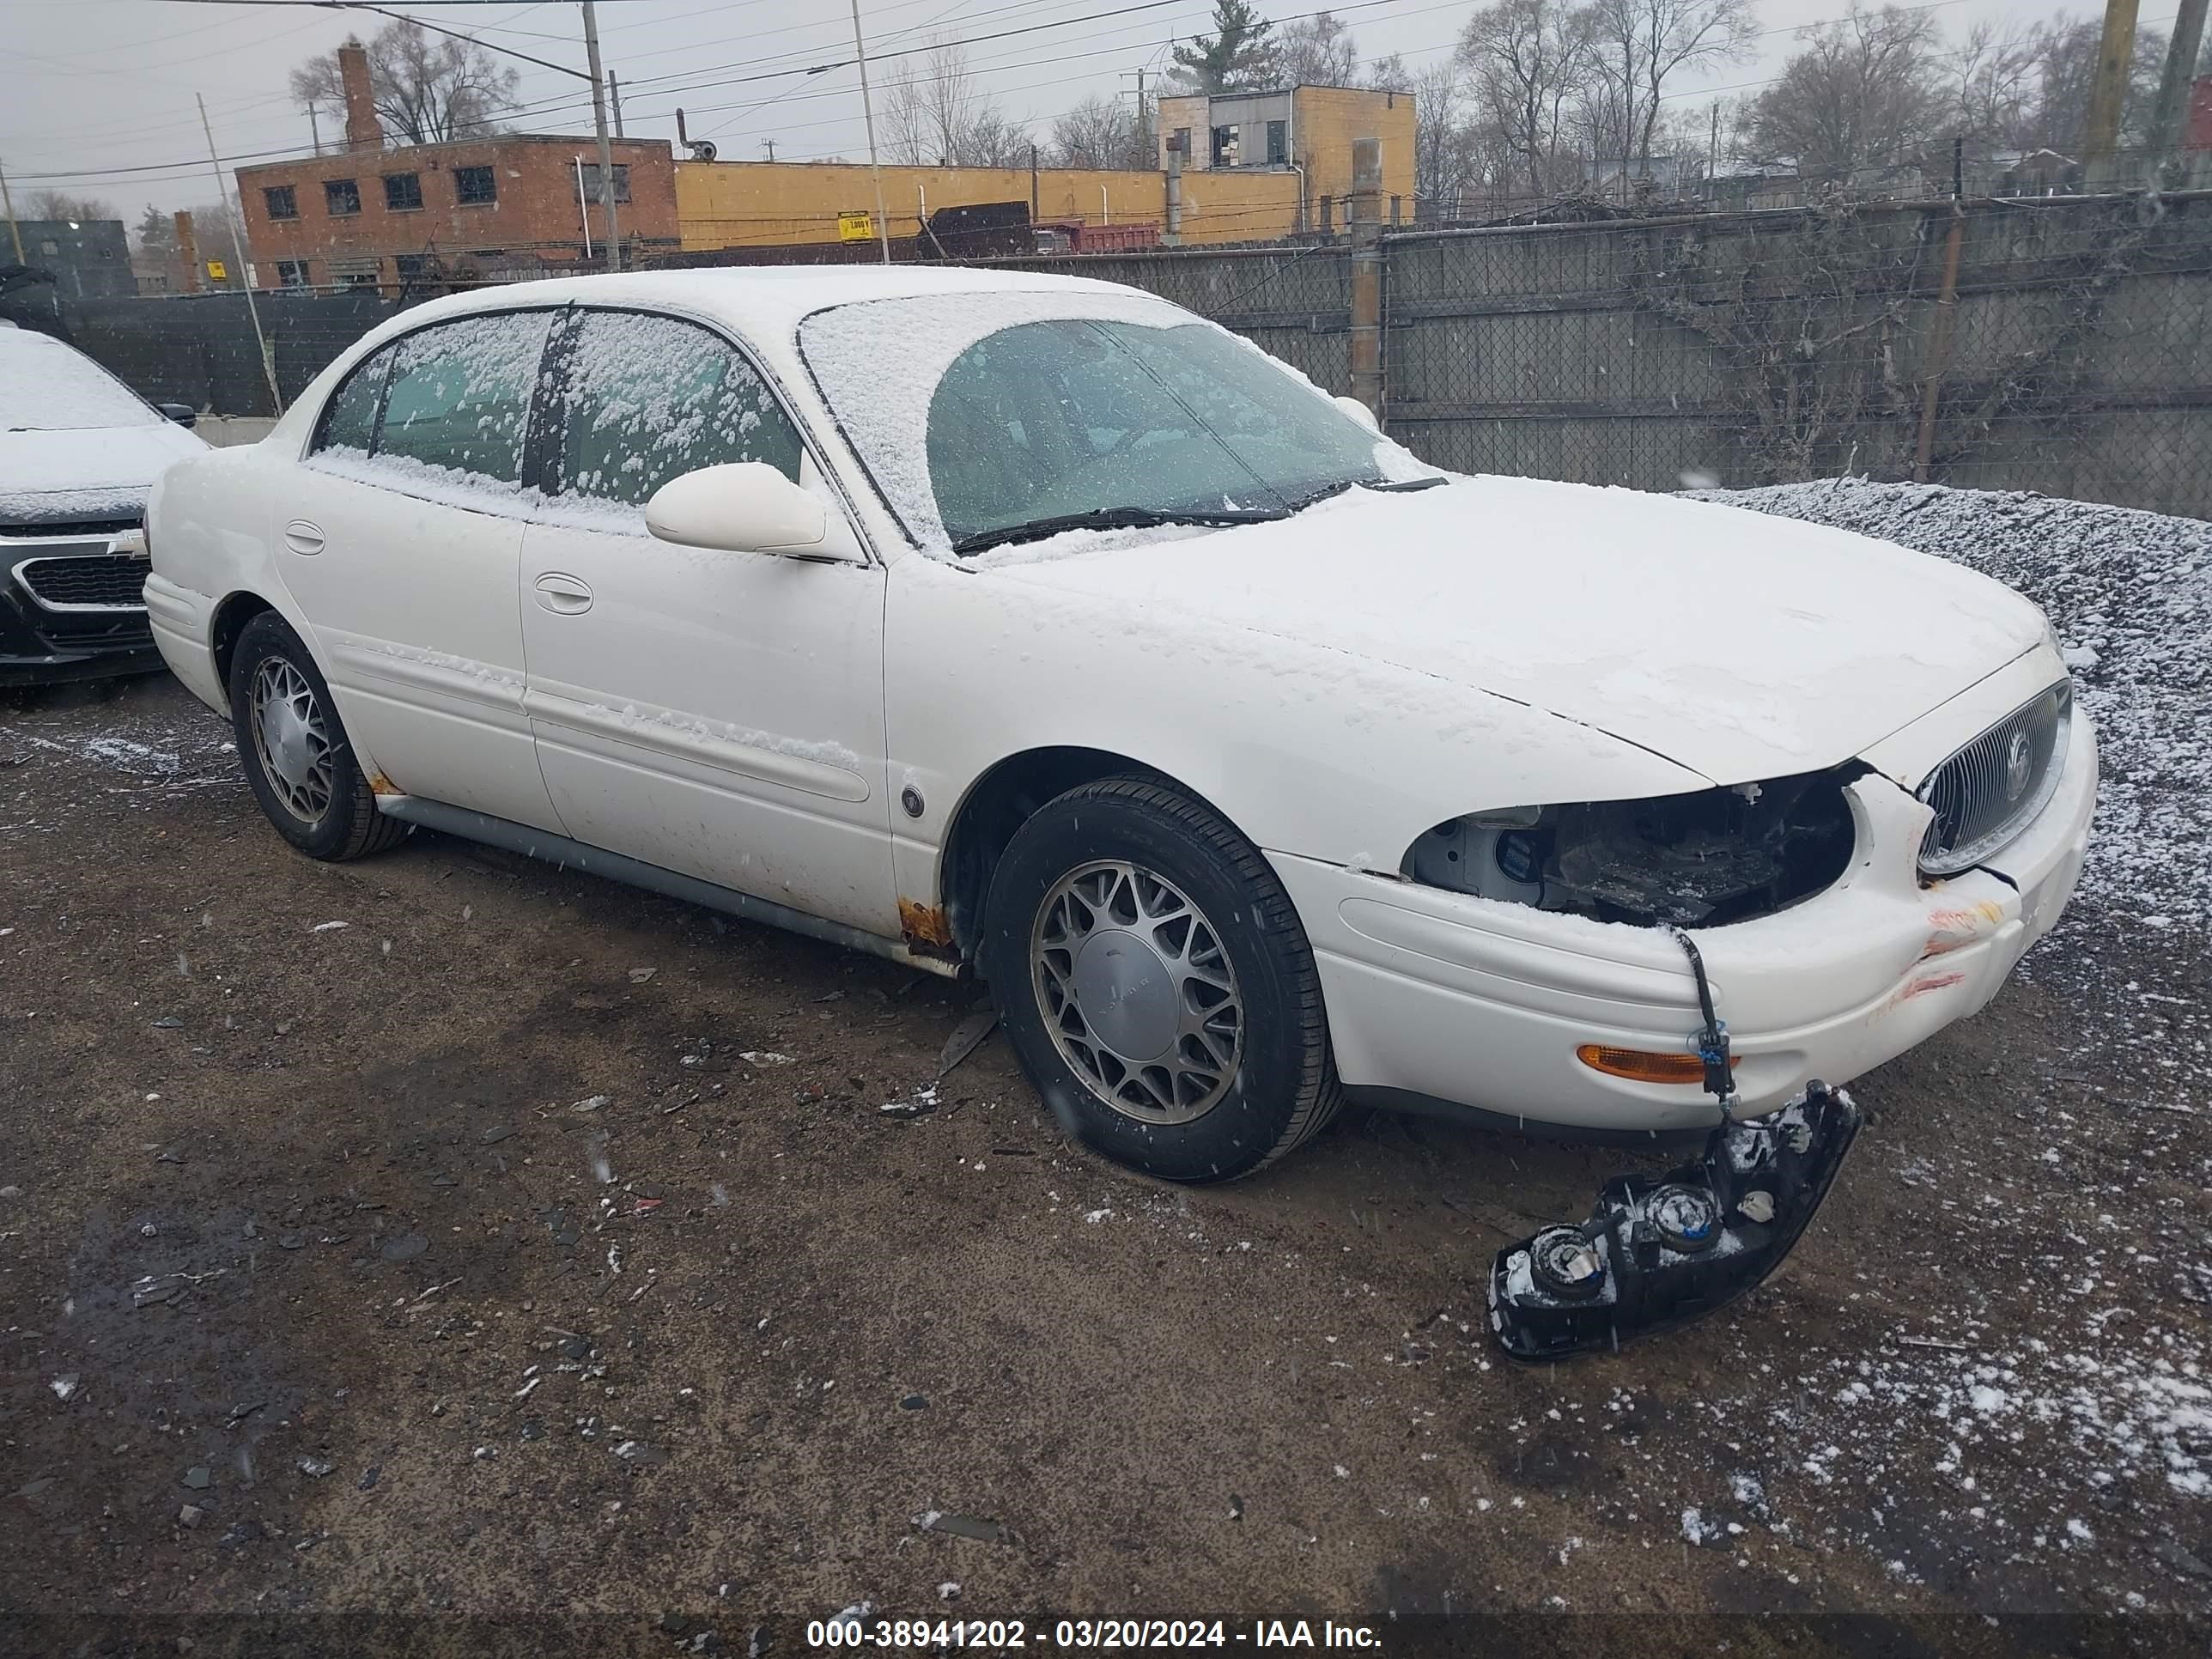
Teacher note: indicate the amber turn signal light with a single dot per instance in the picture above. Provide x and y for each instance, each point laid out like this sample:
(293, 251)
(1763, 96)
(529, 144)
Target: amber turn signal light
(1640, 1068)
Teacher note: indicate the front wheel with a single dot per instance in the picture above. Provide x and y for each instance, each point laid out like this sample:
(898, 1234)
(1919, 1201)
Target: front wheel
(1156, 984)
(297, 762)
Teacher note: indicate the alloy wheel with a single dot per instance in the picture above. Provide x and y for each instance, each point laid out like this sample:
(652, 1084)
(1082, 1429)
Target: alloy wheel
(1137, 992)
(291, 740)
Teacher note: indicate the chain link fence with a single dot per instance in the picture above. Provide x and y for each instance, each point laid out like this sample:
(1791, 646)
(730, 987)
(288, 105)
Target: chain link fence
(2059, 345)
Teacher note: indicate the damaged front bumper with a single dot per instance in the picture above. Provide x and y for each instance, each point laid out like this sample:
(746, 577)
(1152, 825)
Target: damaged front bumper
(1660, 1252)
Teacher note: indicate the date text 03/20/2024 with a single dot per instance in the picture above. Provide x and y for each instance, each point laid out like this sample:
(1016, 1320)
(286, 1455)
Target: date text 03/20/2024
(853, 1630)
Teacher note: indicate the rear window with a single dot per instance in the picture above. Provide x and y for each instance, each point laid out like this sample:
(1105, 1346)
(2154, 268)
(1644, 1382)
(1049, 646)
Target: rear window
(47, 386)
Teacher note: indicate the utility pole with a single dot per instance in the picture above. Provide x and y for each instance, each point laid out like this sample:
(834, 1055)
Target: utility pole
(2116, 53)
(614, 97)
(15, 230)
(238, 249)
(868, 116)
(599, 126)
(1143, 118)
(2171, 108)
(1367, 273)
(768, 144)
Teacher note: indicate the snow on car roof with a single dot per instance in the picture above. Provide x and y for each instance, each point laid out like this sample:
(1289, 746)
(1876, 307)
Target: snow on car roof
(765, 301)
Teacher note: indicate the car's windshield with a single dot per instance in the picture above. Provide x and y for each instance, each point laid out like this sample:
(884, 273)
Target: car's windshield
(47, 386)
(1150, 413)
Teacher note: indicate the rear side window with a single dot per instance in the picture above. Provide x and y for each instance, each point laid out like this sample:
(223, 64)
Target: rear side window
(349, 419)
(650, 399)
(458, 395)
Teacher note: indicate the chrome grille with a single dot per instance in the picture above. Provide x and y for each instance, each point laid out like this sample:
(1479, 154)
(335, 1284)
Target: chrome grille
(1987, 793)
(85, 581)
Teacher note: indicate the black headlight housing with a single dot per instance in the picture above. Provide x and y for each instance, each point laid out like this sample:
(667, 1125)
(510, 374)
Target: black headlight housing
(1699, 859)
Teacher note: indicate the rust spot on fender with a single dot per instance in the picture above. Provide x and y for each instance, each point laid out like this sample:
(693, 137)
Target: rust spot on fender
(381, 785)
(928, 930)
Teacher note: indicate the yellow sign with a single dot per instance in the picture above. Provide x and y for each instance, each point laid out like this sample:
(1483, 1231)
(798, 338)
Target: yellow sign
(855, 227)
(218, 271)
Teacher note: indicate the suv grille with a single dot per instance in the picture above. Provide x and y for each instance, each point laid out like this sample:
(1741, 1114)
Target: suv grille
(1987, 793)
(85, 579)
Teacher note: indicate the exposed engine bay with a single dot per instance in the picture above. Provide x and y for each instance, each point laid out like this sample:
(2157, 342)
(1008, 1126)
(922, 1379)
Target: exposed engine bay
(1699, 859)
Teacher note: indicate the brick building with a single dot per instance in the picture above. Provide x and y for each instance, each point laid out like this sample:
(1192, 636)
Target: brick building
(500, 209)
(1305, 131)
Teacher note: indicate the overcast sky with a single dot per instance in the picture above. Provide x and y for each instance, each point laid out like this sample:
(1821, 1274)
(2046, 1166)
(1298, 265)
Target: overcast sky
(96, 95)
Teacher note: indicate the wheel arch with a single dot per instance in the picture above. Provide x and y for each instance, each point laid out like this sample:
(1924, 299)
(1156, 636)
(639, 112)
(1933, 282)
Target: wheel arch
(229, 621)
(1002, 799)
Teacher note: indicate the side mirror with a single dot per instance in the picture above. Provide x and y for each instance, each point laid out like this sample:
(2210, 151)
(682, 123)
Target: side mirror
(182, 414)
(1359, 412)
(742, 507)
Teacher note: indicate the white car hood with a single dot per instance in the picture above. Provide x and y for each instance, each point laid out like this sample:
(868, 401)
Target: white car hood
(1740, 646)
(65, 474)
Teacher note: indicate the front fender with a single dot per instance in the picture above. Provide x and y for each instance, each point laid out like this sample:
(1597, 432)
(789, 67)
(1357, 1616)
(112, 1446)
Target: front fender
(1306, 750)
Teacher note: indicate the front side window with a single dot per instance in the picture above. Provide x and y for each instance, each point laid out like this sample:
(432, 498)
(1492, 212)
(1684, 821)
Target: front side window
(402, 192)
(282, 201)
(650, 399)
(342, 196)
(473, 186)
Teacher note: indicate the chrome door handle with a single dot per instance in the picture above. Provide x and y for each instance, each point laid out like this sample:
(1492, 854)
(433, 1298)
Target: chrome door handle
(303, 537)
(564, 596)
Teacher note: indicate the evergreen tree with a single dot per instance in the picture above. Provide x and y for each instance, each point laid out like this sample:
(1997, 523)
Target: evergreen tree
(1238, 57)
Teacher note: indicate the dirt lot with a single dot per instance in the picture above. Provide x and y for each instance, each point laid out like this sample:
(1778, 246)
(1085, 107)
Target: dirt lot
(415, 1238)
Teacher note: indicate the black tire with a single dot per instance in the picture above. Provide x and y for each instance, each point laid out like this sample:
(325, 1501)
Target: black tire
(349, 826)
(1285, 1086)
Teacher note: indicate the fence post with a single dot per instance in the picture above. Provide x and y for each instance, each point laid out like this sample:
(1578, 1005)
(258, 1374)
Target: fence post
(1367, 273)
(1939, 342)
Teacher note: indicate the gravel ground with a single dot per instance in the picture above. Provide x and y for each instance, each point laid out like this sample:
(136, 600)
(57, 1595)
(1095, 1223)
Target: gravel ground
(443, 1242)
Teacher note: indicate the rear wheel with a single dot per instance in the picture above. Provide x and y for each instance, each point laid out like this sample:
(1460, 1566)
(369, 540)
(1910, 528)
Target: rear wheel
(298, 761)
(1155, 984)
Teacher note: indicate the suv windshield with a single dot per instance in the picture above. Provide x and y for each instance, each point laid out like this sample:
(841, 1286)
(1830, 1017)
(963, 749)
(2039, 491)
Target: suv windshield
(1139, 413)
(47, 386)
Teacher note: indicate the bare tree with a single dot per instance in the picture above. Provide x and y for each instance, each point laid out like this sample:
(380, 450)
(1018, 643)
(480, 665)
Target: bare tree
(60, 205)
(935, 115)
(1994, 79)
(1867, 90)
(1638, 46)
(1447, 152)
(2066, 69)
(428, 88)
(1098, 132)
(1316, 51)
(1526, 60)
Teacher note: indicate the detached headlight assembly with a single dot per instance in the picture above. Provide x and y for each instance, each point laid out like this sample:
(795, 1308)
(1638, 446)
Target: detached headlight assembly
(1699, 860)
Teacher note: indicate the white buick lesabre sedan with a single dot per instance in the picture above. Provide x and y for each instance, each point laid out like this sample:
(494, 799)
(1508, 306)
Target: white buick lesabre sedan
(1035, 625)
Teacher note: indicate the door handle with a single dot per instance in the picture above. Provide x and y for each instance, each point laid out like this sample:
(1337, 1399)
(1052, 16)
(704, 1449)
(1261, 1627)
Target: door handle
(303, 537)
(564, 596)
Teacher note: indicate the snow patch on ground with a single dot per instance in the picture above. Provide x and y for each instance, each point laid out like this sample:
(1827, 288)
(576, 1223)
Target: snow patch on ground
(2130, 596)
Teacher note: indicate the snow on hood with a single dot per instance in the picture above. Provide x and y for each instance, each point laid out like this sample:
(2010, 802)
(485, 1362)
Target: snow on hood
(1739, 646)
(50, 477)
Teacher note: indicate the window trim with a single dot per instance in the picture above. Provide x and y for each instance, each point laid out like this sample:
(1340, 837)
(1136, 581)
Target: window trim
(545, 406)
(490, 173)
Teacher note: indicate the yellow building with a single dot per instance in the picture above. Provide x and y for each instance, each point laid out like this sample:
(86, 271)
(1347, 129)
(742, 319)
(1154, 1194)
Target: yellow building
(720, 204)
(1303, 132)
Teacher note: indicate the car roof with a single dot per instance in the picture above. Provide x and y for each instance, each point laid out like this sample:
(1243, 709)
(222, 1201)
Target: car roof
(764, 301)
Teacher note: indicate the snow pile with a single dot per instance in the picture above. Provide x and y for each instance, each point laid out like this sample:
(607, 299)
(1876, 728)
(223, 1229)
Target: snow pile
(2130, 596)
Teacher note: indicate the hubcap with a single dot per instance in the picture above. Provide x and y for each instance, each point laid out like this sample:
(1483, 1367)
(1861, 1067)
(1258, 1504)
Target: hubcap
(291, 740)
(1139, 996)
